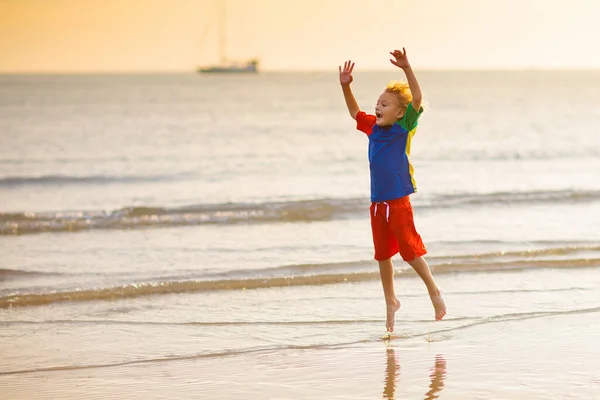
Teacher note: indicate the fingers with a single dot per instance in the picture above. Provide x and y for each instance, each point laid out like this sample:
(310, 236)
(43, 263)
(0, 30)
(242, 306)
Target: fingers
(348, 67)
(397, 53)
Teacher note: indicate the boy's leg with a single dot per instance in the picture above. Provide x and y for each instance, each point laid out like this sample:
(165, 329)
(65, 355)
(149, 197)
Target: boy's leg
(435, 294)
(386, 246)
(392, 304)
(412, 250)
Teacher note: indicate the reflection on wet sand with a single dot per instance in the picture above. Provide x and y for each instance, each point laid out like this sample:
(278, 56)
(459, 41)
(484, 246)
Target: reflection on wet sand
(392, 375)
(437, 376)
(392, 372)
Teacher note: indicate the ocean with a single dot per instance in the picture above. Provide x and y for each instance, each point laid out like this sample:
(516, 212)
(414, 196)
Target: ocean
(150, 221)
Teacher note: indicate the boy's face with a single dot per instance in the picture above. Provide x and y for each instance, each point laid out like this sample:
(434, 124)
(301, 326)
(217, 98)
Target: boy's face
(388, 110)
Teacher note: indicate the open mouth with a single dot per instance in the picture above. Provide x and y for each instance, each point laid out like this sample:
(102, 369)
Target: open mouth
(378, 114)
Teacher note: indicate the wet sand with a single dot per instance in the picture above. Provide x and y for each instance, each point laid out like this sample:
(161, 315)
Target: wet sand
(520, 335)
(552, 357)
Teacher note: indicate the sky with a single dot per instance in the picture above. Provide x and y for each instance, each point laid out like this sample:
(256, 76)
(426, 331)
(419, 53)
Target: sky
(69, 36)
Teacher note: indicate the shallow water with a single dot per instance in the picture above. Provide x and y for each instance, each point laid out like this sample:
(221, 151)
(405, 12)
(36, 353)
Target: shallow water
(509, 334)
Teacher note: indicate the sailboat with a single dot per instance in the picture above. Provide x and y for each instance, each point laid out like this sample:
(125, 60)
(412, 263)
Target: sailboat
(225, 66)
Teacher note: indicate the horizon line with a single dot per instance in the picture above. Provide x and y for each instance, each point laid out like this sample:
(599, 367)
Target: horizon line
(316, 70)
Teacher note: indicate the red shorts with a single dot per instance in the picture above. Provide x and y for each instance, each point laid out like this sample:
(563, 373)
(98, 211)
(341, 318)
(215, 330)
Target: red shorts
(394, 230)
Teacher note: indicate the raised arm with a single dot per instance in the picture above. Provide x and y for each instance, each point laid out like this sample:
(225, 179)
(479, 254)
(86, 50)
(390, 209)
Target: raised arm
(401, 61)
(345, 80)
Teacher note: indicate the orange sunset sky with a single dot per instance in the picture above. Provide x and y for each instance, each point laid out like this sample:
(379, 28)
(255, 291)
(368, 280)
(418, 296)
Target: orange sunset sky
(180, 35)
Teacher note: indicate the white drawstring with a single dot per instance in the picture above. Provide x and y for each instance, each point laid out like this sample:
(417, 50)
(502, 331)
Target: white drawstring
(387, 211)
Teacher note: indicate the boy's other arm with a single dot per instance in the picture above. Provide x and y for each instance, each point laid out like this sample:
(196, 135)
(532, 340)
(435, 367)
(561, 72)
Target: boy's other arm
(401, 61)
(345, 80)
(351, 102)
(415, 89)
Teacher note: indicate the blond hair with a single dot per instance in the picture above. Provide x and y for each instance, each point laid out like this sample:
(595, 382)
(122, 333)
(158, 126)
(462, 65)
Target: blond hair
(402, 91)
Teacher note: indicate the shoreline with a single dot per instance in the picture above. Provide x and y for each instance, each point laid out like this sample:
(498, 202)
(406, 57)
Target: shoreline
(513, 360)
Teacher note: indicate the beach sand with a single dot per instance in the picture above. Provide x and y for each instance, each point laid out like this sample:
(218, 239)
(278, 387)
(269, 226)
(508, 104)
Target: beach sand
(508, 335)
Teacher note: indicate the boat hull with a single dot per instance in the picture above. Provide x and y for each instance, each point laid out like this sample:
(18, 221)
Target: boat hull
(250, 68)
(227, 70)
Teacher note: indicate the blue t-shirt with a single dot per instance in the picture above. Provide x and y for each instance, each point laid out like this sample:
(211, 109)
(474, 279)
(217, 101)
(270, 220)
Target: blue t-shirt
(389, 154)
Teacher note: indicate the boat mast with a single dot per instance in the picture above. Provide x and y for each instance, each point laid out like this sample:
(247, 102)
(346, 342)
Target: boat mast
(222, 31)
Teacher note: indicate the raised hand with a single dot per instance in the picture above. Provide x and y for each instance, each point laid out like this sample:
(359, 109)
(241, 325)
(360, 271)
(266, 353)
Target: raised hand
(400, 59)
(346, 73)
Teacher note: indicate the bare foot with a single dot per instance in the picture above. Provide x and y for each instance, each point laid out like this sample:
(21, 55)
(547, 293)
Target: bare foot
(438, 304)
(391, 309)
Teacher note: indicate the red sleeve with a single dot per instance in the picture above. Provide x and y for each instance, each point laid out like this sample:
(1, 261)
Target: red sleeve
(365, 122)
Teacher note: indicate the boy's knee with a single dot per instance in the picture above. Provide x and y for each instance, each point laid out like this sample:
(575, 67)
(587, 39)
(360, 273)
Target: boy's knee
(416, 260)
(385, 261)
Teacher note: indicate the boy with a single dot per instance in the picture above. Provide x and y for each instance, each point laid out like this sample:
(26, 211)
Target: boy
(390, 132)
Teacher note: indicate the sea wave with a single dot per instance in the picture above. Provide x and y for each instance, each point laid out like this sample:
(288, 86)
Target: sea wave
(7, 273)
(137, 217)
(267, 212)
(319, 274)
(529, 197)
(47, 180)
